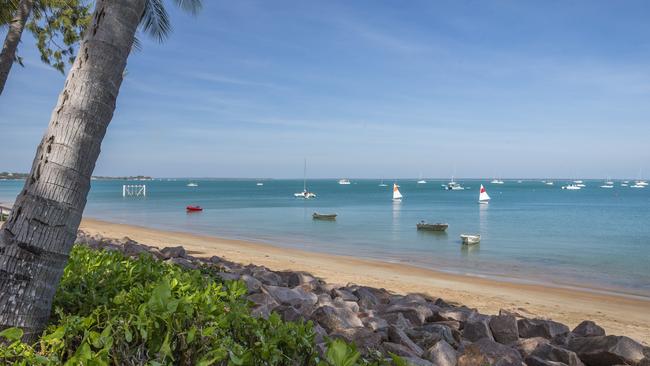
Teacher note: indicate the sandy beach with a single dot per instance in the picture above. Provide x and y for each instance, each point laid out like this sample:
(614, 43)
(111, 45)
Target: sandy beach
(617, 314)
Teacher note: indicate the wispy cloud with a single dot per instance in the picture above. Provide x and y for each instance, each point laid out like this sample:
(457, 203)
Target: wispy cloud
(220, 79)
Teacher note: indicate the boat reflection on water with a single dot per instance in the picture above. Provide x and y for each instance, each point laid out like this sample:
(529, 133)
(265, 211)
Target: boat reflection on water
(466, 250)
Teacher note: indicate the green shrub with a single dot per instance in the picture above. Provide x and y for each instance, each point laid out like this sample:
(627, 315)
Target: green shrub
(113, 310)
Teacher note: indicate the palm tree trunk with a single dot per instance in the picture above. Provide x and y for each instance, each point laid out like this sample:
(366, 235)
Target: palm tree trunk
(35, 241)
(12, 39)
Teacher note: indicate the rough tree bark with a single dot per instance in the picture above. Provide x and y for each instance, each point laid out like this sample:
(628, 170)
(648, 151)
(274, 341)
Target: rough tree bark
(12, 39)
(36, 240)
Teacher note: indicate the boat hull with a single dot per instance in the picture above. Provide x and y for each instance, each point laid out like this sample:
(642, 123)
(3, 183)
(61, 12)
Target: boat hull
(439, 227)
(470, 239)
(328, 217)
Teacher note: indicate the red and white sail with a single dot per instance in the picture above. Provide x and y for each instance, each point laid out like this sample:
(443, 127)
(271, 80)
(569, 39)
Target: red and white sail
(396, 194)
(483, 197)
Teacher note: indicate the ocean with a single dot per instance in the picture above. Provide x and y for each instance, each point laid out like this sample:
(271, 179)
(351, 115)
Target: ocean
(592, 238)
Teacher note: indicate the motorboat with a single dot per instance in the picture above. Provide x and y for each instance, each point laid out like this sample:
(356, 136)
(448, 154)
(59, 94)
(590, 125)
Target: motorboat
(344, 182)
(423, 225)
(194, 208)
(572, 187)
(468, 239)
(317, 216)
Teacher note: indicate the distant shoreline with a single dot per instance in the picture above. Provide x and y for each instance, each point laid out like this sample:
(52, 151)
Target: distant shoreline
(619, 314)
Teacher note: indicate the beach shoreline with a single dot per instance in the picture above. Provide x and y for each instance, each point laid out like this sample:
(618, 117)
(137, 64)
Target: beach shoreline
(617, 313)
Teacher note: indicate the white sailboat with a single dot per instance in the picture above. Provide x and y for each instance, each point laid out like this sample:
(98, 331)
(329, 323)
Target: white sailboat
(382, 184)
(305, 194)
(192, 184)
(496, 181)
(483, 197)
(397, 196)
(421, 180)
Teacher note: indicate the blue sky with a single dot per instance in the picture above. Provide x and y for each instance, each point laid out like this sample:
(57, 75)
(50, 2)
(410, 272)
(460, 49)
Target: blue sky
(370, 89)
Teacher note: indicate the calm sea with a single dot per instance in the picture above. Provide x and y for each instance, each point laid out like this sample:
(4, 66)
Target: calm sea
(531, 232)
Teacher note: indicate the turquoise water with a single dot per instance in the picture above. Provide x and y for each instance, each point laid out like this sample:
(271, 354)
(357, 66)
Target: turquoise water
(597, 238)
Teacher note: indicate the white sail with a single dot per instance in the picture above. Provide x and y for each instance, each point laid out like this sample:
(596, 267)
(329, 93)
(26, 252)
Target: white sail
(483, 197)
(396, 194)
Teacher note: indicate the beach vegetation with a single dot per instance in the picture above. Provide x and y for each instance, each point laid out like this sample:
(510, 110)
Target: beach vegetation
(114, 310)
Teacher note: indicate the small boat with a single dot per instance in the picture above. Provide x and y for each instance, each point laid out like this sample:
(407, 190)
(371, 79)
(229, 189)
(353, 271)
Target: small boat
(194, 208)
(641, 183)
(637, 185)
(344, 182)
(483, 197)
(191, 184)
(305, 193)
(422, 181)
(549, 183)
(422, 225)
(607, 186)
(317, 216)
(397, 196)
(581, 185)
(496, 181)
(572, 187)
(259, 184)
(382, 184)
(453, 186)
(624, 184)
(470, 239)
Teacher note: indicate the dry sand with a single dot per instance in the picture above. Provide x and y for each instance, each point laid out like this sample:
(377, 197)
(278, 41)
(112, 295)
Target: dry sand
(619, 315)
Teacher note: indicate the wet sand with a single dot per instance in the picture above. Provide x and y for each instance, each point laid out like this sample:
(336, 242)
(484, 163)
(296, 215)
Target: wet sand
(618, 314)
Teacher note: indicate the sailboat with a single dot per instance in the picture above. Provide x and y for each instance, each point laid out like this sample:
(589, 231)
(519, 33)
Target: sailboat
(382, 184)
(397, 196)
(483, 197)
(421, 180)
(305, 193)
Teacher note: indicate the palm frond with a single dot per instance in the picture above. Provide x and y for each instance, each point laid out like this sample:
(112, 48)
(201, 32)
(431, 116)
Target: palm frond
(190, 6)
(155, 20)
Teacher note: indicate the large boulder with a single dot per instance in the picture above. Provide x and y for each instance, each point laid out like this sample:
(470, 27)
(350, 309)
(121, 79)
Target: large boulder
(182, 262)
(461, 314)
(252, 283)
(263, 304)
(475, 330)
(133, 249)
(334, 319)
(441, 354)
(607, 350)
(416, 312)
(529, 328)
(588, 329)
(417, 361)
(287, 296)
(536, 361)
(398, 336)
(300, 278)
(374, 323)
(397, 349)
(364, 338)
(443, 332)
(173, 252)
(527, 346)
(504, 329)
(488, 352)
(398, 320)
(267, 277)
(370, 298)
(550, 352)
(344, 294)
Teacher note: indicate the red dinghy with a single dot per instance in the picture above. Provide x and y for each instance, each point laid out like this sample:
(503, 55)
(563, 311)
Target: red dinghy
(194, 208)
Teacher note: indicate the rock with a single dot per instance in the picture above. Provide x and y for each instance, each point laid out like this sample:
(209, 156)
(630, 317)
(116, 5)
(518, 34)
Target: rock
(529, 328)
(365, 339)
(607, 350)
(415, 312)
(264, 304)
(536, 361)
(453, 324)
(344, 294)
(287, 296)
(185, 263)
(334, 319)
(339, 302)
(526, 346)
(588, 329)
(504, 329)
(228, 276)
(398, 336)
(441, 354)
(417, 361)
(397, 349)
(473, 331)
(518, 313)
(173, 252)
(300, 278)
(289, 313)
(550, 352)
(488, 352)
(253, 284)
(398, 320)
(461, 314)
(443, 332)
(374, 323)
(133, 249)
(267, 277)
(367, 300)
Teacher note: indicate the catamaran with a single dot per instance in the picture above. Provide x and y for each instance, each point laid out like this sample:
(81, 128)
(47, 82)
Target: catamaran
(483, 197)
(397, 196)
(305, 193)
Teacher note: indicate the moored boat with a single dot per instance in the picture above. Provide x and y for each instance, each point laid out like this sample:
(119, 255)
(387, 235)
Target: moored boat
(423, 225)
(344, 182)
(483, 197)
(397, 196)
(194, 208)
(317, 216)
(572, 187)
(305, 193)
(468, 239)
